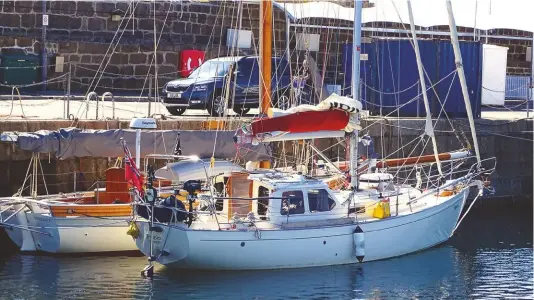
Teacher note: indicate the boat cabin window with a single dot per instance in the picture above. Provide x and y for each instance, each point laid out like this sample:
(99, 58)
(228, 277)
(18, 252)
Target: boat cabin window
(320, 200)
(293, 203)
(263, 204)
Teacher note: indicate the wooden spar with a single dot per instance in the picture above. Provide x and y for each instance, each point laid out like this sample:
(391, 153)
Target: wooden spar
(266, 29)
(266, 19)
(399, 162)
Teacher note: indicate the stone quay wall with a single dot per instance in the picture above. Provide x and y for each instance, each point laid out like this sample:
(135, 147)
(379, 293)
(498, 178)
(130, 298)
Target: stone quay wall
(510, 142)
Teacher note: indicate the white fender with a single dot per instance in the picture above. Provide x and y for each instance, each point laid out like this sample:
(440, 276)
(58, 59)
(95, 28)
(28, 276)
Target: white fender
(359, 243)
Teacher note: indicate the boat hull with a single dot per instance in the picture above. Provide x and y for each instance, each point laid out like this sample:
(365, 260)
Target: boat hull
(71, 235)
(81, 234)
(297, 248)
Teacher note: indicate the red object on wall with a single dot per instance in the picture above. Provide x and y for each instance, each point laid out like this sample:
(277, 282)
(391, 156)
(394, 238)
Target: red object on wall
(189, 60)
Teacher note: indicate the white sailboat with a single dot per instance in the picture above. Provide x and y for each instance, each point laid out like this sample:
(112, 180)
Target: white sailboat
(265, 219)
(95, 220)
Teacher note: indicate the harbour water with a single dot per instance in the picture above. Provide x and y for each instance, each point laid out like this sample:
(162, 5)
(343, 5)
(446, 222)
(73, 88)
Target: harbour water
(490, 257)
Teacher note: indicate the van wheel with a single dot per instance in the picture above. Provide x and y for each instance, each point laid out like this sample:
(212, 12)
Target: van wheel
(216, 106)
(241, 111)
(176, 111)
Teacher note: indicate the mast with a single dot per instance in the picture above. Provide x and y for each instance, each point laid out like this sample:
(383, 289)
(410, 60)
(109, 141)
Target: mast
(461, 76)
(429, 128)
(356, 49)
(531, 75)
(266, 19)
(266, 29)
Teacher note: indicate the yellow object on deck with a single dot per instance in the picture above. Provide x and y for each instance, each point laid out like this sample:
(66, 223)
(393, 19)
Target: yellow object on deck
(133, 230)
(380, 210)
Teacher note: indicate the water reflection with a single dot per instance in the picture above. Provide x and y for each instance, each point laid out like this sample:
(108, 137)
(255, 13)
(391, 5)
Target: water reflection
(439, 273)
(491, 257)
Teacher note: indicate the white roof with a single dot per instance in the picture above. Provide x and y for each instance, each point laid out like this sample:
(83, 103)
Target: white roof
(481, 14)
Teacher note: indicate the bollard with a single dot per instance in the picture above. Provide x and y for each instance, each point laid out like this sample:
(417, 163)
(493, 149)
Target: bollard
(112, 104)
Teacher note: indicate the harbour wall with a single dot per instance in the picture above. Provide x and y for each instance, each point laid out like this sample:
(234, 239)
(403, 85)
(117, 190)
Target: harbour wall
(509, 141)
(120, 53)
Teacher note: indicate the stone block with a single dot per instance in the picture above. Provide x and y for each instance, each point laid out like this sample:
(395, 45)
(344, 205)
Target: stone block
(85, 59)
(85, 8)
(97, 59)
(167, 70)
(7, 42)
(23, 7)
(127, 70)
(73, 58)
(27, 20)
(188, 39)
(104, 37)
(133, 37)
(129, 48)
(81, 35)
(203, 40)
(143, 70)
(119, 58)
(171, 58)
(86, 70)
(112, 70)
(168, 46)
(105, 8)
(196, 29)
(142, 9)
(92, 48)
(8, 6)
(67, 7)
(112, 25)
(96, 24)
(10, 20)
(106, 83)
(16, 32)
(202, 18)
(68, 47)
(137, 58)
(178, 27)
(24, 42)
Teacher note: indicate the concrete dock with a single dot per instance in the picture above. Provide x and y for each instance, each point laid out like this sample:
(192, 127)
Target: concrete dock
(56, 108)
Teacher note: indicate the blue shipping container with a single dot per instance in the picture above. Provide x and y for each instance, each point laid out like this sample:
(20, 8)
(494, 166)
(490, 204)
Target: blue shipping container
(390, 77)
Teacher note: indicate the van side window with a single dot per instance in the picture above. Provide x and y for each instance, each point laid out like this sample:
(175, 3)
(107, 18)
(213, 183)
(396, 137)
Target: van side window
(249, 70)
(293, 203)
(320, 200)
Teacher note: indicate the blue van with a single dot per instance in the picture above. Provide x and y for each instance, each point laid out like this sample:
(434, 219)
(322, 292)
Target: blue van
(205, 87)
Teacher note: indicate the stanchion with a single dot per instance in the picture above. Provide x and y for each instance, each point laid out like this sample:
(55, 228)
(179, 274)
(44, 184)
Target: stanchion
(68, 90)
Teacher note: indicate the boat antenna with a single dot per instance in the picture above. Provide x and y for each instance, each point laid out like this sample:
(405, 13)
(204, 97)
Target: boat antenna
(461, 76)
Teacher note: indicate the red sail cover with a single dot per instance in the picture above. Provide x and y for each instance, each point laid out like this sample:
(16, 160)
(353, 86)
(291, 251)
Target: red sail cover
(189, 60)
(303, 122)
